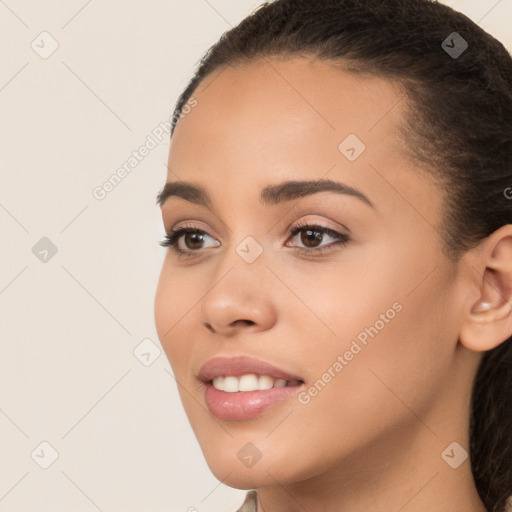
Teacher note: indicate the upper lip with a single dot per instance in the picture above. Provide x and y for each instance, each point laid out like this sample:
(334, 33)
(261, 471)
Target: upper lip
(241, 365)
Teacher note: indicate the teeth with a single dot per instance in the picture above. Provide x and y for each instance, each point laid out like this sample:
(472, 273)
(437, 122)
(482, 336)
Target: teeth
(247, 382)
(218, 383)
(265, 382)
(250, 382)
(231, 384)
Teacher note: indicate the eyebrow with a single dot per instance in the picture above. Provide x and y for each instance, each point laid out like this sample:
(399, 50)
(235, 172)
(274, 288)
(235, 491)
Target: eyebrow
(270, 195)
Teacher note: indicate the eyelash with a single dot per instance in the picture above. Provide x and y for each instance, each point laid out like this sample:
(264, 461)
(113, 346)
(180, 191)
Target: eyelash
(172, 238)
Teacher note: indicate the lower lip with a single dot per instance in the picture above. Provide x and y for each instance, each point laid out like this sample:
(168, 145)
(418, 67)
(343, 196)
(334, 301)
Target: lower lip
(244, 405)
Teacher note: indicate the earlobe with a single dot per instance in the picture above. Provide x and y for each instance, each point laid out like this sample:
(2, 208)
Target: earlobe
(487, 327)
(488, 322)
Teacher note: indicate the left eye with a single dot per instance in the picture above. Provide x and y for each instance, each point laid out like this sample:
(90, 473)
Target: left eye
(312, 234)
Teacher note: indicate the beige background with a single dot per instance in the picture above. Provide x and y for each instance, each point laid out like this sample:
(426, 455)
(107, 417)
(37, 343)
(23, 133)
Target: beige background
(70, 325)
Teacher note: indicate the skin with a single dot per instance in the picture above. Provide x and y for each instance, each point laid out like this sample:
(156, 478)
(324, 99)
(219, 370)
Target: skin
(372, 438)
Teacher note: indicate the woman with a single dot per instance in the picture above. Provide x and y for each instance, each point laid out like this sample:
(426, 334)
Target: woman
(336, 297)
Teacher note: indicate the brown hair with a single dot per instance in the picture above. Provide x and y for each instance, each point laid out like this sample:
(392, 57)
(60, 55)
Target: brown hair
(459, 127)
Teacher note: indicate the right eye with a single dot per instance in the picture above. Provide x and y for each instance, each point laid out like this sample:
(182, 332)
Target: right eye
(192, 237)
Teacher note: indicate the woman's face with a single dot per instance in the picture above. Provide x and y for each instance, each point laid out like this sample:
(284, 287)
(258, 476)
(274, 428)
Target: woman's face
(368, 327)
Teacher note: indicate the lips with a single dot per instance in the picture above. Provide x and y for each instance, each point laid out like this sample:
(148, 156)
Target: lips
(240, 388)
(238, 366)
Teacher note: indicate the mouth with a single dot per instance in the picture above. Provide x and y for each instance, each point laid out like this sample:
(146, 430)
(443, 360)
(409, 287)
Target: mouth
(250, 382)
(241, 388)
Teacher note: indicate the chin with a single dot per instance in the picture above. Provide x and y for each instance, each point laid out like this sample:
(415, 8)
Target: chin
(251, 479)
(228, 469)
(245, 482)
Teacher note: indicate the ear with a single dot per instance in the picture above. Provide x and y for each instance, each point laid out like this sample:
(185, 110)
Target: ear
(488, 321)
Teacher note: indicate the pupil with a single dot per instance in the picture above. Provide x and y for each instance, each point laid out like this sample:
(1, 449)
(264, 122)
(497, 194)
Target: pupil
(190, 238)
(310, 236)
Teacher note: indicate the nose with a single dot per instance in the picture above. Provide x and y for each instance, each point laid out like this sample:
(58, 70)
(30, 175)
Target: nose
(239, 301)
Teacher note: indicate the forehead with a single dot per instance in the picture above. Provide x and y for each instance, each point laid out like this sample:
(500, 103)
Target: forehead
(280, 119)
(274, 103)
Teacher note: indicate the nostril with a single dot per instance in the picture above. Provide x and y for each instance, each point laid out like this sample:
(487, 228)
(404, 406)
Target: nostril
(209, 327)
(248, 322)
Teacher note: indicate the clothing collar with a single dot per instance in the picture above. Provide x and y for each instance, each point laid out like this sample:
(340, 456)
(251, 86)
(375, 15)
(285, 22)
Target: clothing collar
(250, 504)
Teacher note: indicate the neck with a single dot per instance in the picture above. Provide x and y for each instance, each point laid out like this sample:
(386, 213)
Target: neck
(408, 472)
(416, 480)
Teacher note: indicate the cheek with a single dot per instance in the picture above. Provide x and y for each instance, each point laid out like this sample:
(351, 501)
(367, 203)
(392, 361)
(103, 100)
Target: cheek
(337, 302)
(171, 304)
(391, 348)
(384, 385)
